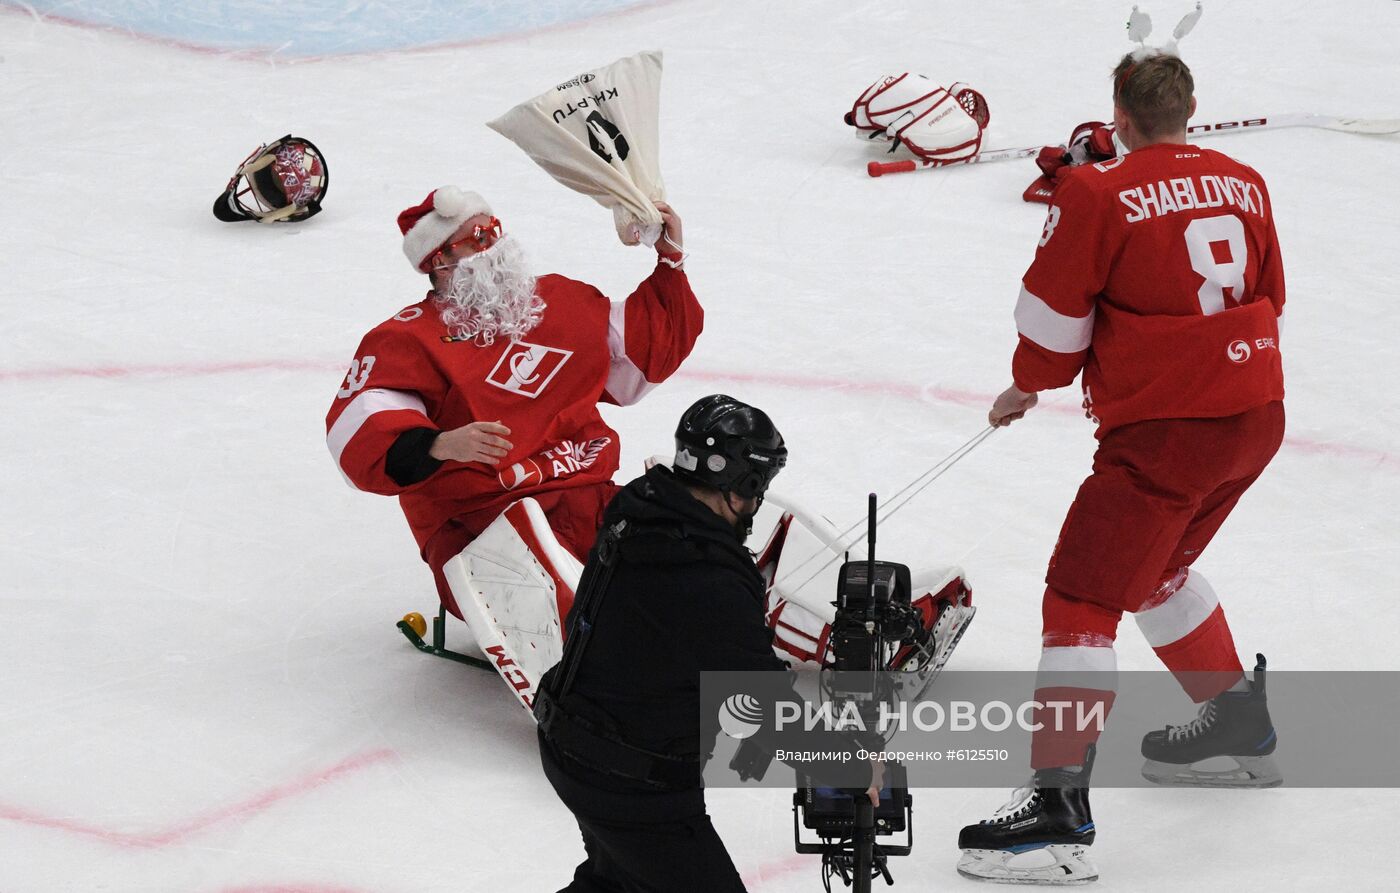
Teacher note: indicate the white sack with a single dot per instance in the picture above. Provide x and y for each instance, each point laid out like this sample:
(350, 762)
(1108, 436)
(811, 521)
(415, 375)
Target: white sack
(597, 135)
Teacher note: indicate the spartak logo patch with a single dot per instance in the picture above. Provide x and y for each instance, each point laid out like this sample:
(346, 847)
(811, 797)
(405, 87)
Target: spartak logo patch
(526, 368)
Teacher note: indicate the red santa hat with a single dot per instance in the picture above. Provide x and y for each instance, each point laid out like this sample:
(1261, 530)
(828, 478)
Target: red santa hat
(427, 226)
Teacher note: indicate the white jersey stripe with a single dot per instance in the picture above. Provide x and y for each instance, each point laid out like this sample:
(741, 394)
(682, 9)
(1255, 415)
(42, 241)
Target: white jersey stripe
(366, 404)
(1052, 330)
(625, 383)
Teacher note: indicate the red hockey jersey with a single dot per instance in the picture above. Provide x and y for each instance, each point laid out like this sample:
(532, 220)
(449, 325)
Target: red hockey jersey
(409, 372)
(1158, 275)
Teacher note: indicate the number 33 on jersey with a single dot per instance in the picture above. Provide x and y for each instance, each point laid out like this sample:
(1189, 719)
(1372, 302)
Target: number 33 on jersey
(357, 377)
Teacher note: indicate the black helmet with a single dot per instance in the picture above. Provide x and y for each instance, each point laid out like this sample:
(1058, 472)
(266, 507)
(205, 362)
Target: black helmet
(281, 181)
(728, 445)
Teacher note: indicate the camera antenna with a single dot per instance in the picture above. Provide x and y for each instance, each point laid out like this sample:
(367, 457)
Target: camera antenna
(870, 555)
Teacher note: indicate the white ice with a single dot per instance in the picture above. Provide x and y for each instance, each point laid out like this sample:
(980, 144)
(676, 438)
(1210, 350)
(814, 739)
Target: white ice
(202, 689)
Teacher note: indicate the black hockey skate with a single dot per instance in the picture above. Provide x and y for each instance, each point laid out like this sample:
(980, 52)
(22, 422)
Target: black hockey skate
(1041, 836)
(1232, 724)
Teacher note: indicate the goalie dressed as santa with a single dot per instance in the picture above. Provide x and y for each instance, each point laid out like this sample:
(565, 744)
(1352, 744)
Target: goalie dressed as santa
(487, 390)
(478, 406)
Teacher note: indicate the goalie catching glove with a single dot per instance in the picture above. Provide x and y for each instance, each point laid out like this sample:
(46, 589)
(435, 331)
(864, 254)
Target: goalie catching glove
(939, 125)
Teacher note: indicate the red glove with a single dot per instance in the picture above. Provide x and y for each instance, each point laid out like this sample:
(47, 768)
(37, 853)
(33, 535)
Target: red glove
(1089, 142)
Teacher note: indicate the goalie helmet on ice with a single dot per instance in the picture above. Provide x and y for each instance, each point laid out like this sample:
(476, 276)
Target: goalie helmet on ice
(281, 181)
(939, 125)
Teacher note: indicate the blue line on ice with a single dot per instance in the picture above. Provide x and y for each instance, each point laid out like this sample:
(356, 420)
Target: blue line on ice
(325, 27)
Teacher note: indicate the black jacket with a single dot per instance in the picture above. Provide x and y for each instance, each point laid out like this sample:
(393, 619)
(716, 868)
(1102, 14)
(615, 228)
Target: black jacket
(685, 597)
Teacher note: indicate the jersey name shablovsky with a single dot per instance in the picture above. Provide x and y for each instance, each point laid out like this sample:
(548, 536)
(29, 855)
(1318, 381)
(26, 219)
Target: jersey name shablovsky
(1187, 193)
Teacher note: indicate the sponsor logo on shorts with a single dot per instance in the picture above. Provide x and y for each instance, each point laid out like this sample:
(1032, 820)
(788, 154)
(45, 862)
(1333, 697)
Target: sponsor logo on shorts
(1240, 351)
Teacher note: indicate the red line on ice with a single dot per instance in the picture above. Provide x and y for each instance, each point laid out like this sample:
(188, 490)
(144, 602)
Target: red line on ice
(178, 832)
(166, 369)
(755, 878)
(873, 387)
(939, 394)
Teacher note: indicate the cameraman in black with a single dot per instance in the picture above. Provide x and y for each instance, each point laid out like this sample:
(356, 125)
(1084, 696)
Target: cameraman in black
(669, 592)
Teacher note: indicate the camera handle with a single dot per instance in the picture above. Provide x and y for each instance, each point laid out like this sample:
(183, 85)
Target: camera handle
(865, 843)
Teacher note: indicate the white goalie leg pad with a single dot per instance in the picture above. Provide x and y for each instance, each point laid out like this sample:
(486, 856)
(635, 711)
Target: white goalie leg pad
(515, 584)
(797, 631)
(1053, 865)
(799, 587)
(945, 601)
(800, 564)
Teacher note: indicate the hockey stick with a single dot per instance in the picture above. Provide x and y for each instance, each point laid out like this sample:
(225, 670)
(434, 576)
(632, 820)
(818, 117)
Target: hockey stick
(1371, 126)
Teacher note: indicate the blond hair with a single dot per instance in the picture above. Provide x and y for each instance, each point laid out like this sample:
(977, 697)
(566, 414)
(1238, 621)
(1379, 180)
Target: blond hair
(1155, 92)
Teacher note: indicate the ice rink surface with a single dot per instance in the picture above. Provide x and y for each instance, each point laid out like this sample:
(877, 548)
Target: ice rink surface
(202, 689)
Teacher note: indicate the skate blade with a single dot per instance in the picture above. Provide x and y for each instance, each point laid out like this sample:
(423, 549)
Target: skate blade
(1056, 865)
(947, 632)
(1249, 772)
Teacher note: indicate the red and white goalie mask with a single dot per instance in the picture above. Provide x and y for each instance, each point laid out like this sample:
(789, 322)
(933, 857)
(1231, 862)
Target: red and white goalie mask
(940, 125)
(281, 181)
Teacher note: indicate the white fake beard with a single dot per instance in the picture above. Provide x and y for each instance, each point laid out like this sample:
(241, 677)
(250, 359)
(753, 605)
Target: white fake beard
(491, 294)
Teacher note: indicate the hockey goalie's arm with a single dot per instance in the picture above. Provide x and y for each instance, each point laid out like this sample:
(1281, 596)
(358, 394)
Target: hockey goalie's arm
(651, 333)
(379, 427)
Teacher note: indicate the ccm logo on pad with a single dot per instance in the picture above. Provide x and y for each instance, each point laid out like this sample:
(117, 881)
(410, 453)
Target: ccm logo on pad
(527, 368)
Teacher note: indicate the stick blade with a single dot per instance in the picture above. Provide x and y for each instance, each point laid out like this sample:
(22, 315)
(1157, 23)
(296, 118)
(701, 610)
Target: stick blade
(1363, 125)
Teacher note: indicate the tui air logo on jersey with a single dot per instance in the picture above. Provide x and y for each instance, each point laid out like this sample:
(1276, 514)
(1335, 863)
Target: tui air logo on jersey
(527, 369)
(564, 458)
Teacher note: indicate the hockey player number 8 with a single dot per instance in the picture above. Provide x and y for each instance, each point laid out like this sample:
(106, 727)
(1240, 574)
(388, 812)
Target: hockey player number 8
(1218, 253)
(1052, 220)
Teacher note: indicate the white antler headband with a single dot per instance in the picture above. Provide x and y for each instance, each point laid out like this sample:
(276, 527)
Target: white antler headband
(1140, 26)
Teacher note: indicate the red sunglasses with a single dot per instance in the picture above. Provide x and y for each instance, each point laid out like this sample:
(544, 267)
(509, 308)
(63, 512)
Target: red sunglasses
(481, 237)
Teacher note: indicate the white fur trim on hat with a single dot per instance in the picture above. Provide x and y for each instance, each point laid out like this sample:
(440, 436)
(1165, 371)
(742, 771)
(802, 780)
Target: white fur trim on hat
(451, 208)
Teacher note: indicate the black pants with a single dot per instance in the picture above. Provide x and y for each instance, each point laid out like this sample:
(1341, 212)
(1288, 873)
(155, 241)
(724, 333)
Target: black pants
(639, 841)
